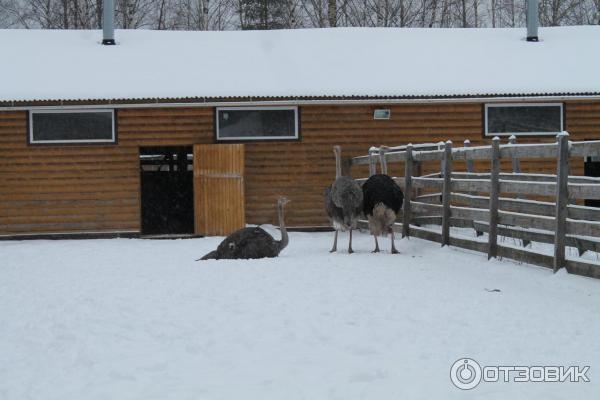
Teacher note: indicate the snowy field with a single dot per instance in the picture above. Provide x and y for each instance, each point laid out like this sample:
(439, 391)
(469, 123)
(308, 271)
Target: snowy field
(139, 319)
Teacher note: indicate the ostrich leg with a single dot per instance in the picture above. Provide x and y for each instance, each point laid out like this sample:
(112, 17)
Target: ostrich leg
(350, 251)
(376, 245)
(394, 251)
(334, 248)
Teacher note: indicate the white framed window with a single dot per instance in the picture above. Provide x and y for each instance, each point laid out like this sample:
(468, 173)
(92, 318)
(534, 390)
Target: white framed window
(256, 123)
(525, 119)
(72, 126)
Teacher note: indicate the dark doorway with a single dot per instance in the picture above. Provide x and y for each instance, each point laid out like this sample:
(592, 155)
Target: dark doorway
(592, 168)
(167, 190)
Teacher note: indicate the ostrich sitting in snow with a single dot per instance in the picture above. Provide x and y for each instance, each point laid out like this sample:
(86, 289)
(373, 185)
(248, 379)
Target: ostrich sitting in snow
(343, 202)
(382, 201)
(252, 242)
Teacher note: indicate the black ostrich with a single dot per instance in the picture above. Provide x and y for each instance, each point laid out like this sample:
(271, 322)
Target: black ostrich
(252, 242)
(343, 202)
(382, 201)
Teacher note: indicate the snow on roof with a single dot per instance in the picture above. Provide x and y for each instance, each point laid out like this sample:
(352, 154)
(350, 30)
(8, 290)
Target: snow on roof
(379, 62)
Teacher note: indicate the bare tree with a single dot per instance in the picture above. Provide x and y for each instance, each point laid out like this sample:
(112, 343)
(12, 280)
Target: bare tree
(332, 12)
(273, 14)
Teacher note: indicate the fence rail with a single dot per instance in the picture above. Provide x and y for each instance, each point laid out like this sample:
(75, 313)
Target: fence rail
(496, 203)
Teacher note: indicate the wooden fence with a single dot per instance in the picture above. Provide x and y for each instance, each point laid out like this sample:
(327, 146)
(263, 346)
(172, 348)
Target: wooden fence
(497, 203)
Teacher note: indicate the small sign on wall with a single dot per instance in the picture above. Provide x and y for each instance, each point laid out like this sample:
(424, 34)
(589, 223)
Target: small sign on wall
(382, 113)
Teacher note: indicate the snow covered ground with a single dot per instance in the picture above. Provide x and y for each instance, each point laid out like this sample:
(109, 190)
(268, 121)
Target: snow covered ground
(139, 319)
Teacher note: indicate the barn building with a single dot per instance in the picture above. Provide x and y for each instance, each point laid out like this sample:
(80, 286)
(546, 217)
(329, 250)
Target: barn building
(198, 132)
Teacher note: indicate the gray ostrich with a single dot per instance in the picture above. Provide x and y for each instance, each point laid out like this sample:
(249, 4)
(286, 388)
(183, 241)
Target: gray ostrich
(343, 202)
(252, 242)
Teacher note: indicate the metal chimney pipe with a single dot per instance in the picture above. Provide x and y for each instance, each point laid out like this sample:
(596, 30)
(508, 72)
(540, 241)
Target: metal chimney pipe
(533, 20)
(108, 22)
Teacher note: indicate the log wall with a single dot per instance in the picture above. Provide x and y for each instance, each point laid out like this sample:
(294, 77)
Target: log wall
(55, 189)
(93, 188)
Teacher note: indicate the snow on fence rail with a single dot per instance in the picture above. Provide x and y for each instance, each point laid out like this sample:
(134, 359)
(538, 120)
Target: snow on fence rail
(480, 205)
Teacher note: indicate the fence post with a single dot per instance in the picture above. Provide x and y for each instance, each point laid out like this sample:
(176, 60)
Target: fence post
(471, 168)
(446, 190)
(417, 171)
(516, 169)
(442, 166)
(470, 163)
(372, 161)
(516, 164)
(494, 195)
(406, 215)
(562, 198)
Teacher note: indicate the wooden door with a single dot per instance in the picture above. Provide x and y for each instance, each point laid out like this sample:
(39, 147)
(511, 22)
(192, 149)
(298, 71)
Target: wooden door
(219, 189)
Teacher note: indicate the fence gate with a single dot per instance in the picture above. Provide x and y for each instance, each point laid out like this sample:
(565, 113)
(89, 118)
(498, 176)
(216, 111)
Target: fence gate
(218, 188)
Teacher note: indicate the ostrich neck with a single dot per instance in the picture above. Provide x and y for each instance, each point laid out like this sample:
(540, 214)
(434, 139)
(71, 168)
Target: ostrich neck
(284, 235)
(338, 166)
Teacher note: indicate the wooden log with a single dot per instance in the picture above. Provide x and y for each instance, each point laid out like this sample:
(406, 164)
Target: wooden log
(483, 185)
(583, 228)
(583, 268)
(526, 220)
(516, 164)
(516, 169)
(427, 183)
(535, 150)
(562, 198)
(473, 214)
(433, 175)
(416, 147)
(462, 223)
(470, 170)
(584, 191)
(470, 163)
(507, 204)
(442, 154)
(431, 155)
(526, 256)
(430, 152)
(584, 149)
(583, 212)
(397, 156)
(578, 267)
(426, 208)
(494, 197)
(523, 206)
(527, 177)
(432, 198)
(426, 220)
(434, 236)
(472, 153)
(362, 160)
(408, 167)
(585, 244)
(446, 190)
(418, 170)
(372, 161)
(399, 181)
